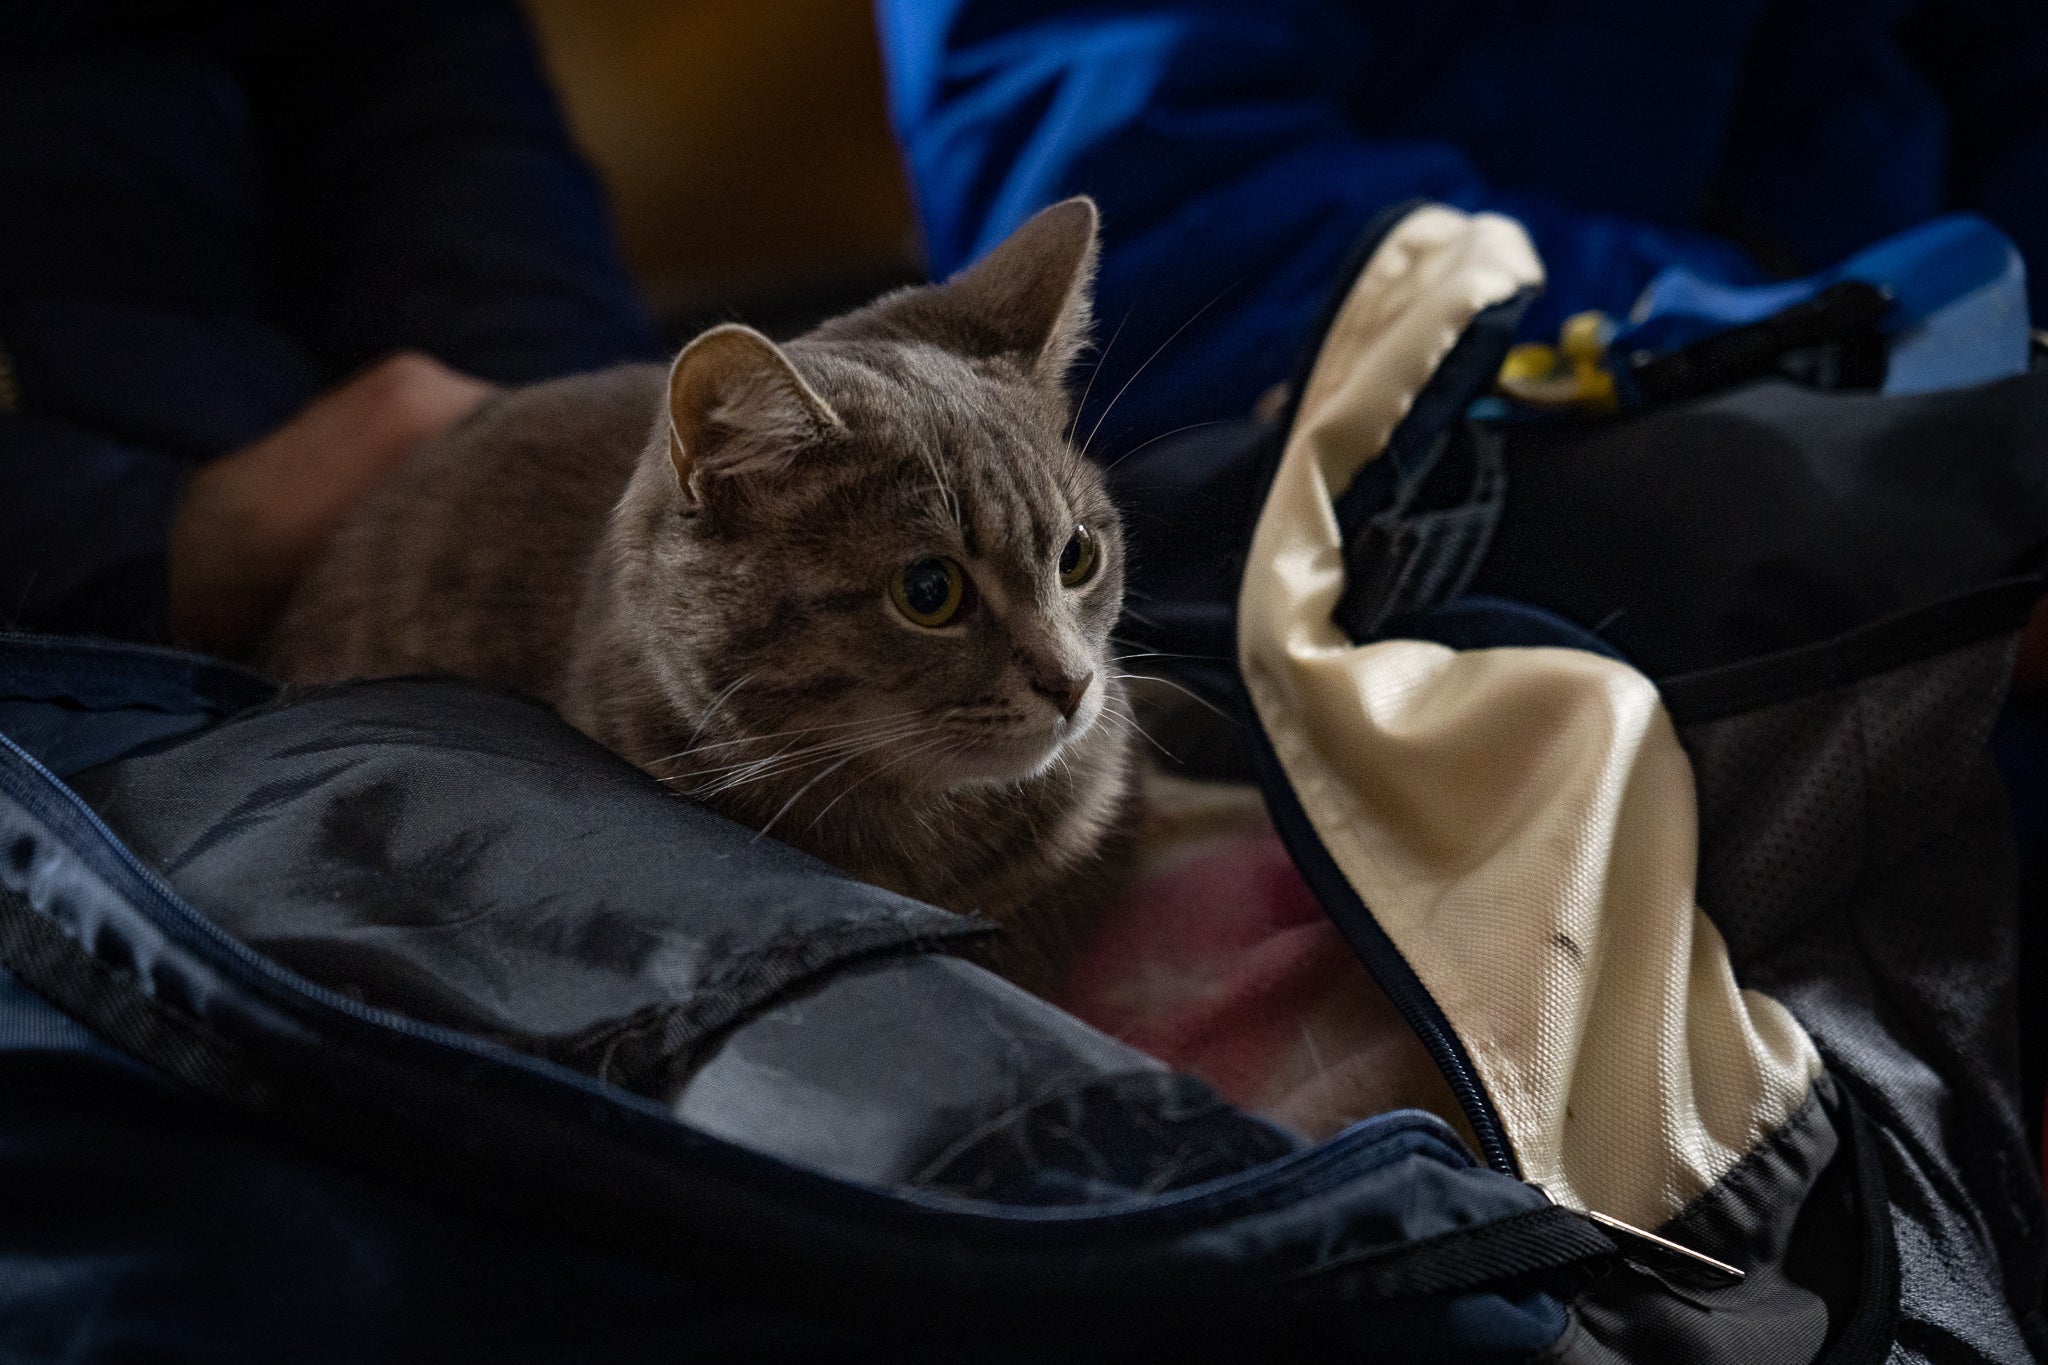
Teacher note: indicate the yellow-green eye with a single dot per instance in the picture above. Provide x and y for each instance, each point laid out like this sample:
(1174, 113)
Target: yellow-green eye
(930, 591)
(1077, 560)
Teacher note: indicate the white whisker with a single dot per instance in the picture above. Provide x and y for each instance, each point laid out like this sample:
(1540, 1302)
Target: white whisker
(717, 702)
(1092, 431)
(745, 771)
(1188, 692)
(905, 756)
(1163, 654)
(799, 758)
(783, 734)
(1151, 440)
(1130, 726)
(798, 794)
(1100, 361)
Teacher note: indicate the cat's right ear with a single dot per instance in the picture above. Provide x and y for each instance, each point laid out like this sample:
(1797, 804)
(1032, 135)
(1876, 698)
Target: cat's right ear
(736, 406)
(1034, 291)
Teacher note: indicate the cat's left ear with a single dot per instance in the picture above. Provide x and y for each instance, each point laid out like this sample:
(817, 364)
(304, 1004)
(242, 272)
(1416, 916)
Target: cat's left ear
(737, 406)
(1035, 290)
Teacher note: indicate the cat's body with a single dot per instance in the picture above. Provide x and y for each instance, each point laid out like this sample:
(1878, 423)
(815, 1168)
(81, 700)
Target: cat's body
(722, 572)
(472, 558)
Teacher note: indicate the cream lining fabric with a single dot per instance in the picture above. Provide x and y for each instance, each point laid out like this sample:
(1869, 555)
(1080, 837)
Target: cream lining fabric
(1521, 822)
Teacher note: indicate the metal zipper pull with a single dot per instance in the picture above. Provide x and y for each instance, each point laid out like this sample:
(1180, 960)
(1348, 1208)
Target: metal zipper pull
(1640, 1245)
(1651, 1246)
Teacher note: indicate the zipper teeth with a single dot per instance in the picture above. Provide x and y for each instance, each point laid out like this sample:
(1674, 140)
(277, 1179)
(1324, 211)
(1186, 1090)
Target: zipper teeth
(1419, 1010)
(1426, 1018)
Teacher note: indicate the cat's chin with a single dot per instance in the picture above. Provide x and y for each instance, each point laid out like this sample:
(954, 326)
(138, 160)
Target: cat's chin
(1007, 760)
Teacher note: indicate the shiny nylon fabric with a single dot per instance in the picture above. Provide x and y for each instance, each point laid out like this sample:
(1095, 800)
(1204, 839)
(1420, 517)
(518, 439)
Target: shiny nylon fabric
(1519, 822)
(459, 856)
(406, 1180)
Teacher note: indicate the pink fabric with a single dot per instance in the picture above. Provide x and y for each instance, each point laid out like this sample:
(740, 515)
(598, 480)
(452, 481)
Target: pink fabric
(1221, 963)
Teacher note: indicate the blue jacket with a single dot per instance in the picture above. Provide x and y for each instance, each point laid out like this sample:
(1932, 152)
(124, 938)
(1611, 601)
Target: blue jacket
(1239, 150)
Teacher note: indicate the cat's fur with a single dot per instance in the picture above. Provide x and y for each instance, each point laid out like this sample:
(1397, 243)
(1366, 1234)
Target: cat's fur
(693, 567)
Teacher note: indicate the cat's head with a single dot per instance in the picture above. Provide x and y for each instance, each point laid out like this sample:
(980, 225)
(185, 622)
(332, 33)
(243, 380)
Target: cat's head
(879, 546)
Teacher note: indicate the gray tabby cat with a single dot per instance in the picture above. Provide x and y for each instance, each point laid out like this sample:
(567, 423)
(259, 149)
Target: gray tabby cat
(856, 589)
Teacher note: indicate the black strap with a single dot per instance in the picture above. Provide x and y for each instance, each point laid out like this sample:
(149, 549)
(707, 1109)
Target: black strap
(1994, 609)
(1540, 1241)
(1417, 520)
(1402, 562)
(1834, 340)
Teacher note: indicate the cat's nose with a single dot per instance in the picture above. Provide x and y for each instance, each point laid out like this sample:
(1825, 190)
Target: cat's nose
(1063, 692)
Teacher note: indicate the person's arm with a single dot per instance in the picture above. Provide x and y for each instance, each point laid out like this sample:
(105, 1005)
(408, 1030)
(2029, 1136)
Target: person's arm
(1232, 183)
(109, 537)
(250, 523)
(1989, 58)
(428, 195)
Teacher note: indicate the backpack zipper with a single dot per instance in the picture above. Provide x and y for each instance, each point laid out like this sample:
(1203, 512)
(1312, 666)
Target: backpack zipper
(1341, 902)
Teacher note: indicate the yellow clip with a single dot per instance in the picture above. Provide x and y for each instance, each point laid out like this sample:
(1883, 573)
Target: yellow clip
(1567, 375)
(1584, 337)
(1529, 363)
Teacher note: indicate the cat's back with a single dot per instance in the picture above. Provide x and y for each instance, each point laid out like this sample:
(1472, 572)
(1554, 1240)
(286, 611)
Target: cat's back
(470, 558)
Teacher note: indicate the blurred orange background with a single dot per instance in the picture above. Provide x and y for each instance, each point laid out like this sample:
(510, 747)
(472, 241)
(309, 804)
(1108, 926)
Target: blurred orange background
(746, 147)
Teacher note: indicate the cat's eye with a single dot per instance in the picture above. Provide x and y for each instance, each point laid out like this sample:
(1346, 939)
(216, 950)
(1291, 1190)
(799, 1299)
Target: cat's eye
(929, 592)
(1077, 560)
